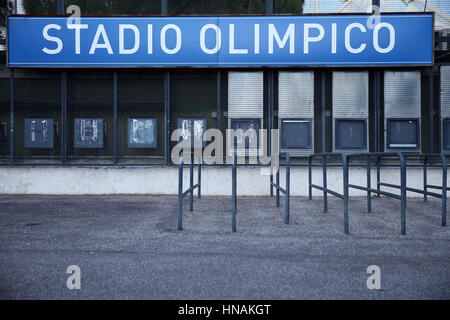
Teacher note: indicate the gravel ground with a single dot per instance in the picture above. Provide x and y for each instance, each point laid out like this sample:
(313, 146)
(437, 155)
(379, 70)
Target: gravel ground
(127, 247)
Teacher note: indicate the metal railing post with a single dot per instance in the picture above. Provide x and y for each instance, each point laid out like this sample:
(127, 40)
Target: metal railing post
(233, 192)
(287, 195)
(425, 183)
(369, 194)
(325, 186)
(310, 177)
(444, 191)
(191, 175)
(277, 191)
(378, 174)
(199, 179)
(345, 178)
(403, 192)
(180, 194)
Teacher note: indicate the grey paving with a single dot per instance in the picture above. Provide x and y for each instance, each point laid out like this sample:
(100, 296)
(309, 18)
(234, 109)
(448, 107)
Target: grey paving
(128, 248)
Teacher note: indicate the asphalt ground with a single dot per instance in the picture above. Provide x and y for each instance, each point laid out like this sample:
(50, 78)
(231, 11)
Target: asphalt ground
(128, 247)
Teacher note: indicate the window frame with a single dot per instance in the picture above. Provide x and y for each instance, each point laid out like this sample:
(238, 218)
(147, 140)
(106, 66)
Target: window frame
(336, 139)
(389, 135)
(309, 120)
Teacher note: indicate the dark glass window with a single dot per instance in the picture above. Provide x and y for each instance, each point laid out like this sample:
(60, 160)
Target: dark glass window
(250, 130)
(288, 6)
(193, 96)
(142, 133)
(96, 6)
(105, 7)
(192, 131)
(295, 133)
(90, 127)
(350, 134)
(216, 7)
(446, 127)
(37, 116)
(140, 116)
(403, 133)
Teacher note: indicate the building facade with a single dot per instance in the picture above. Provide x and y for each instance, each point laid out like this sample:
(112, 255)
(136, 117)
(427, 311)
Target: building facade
(108, 130)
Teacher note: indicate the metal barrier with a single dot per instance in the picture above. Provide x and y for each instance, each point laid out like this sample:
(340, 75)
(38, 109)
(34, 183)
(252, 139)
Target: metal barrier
(324, 187)
(402, 197)
(279, 189)
(444, 187)
(426, 157)
(378, 156)
(276, 185)
(191, 189)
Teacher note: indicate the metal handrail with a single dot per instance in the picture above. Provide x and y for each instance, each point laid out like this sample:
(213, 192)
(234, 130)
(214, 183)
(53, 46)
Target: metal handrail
(324, 188)
(443, 187)
(182, 194)
(233, 192)
(279, 189)
(402, 197)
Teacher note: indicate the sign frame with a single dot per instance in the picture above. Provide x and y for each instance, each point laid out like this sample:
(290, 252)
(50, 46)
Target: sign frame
(220, 66)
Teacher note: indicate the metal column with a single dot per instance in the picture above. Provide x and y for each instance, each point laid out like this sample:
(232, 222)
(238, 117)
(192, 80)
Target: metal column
(324, 159)
(324, 119)
(377, 120)
(60, 6)
(164, 7)
(269, 6)
(431, 109)
(63, 117)
(218, 97)
(60, 9)
(166, 116)
(271, 97)
(115, 117)
(11, 117)
(164, 12)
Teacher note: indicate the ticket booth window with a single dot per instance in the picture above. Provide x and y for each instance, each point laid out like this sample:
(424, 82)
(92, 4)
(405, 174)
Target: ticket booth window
(192, 128)
(141, 133)
(39, 133)
(446, 138)
(193, 104)
(90, 125)
(296, 133)
(403, 133)
(351, 134)
(141, 117)
(249, 133)
(88, 132)
(37, 117)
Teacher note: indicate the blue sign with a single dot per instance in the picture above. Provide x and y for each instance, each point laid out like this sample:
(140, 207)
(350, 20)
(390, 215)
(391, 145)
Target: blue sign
(324, 40)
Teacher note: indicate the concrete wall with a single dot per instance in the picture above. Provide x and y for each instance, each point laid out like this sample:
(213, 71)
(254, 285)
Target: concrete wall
(164, 180)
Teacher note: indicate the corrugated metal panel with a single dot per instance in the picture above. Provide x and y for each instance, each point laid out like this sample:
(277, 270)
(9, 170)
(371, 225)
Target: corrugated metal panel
(296, 100)
(350, 100)
(245, 94)
(445, 91)
(402, 99)
(402, 94)
(445, 101)
(245, 99)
